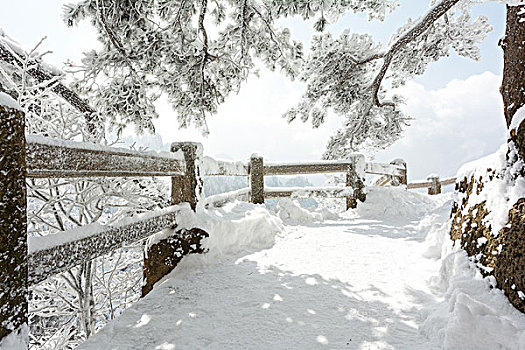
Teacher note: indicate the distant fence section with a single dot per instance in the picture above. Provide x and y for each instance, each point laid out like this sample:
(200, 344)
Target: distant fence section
(354, 167)
(433, 184)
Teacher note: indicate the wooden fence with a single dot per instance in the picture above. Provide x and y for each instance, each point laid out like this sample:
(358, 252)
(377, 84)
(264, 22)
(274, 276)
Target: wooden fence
(26, 261)
(355, 167)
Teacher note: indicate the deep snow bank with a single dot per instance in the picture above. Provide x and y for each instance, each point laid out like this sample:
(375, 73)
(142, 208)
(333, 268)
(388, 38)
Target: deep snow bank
(291, 212)
(234, 228)
(473, 314)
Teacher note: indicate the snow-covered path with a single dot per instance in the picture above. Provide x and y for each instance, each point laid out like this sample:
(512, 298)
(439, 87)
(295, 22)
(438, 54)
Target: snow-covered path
(351, 283)
(358, 282)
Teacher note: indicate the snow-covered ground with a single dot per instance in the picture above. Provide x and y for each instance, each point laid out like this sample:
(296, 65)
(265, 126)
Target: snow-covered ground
(383, 276)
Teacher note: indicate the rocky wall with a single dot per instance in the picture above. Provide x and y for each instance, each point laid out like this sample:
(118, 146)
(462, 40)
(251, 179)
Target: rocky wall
(501, 255)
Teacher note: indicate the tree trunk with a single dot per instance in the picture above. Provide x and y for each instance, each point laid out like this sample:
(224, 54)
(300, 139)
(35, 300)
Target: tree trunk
(513, 85)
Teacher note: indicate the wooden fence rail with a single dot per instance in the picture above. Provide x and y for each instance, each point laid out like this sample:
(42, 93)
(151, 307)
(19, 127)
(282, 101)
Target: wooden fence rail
(47, 157)
(50, 255)
(433, 184)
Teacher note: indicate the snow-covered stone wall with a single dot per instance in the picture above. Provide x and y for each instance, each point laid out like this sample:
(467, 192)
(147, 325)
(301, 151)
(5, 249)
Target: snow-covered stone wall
(488, 220)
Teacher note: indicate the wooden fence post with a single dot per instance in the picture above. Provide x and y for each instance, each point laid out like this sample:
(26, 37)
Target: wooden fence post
(356, 178)
(188, 187)
(257, 179)
(13, 222)
(162, 257)
(435, 186)
(402, 179)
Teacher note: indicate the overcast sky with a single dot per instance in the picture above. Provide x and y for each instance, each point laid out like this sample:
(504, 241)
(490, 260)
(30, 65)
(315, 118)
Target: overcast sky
(456, 105)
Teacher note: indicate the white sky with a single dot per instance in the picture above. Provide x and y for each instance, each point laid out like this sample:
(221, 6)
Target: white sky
(456, 103)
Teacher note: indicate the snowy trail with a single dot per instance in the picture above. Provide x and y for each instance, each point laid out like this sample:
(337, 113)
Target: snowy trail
(355, 283)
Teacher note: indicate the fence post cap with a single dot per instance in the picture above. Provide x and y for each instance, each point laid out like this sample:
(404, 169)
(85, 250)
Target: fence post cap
(355, 155)
(398, 161)
(255, 156)
(432, 176)
(197, 146)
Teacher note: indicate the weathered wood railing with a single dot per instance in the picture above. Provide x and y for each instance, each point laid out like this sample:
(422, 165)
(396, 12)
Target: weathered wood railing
(52, 158)
(25, 261)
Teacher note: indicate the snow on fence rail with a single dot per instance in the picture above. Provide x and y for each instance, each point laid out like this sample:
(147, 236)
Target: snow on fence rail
(212, 167)
(47, 157)
(49, 255)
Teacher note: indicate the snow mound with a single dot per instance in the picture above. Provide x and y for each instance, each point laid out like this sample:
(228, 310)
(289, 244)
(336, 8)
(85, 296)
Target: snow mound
(391, 202)
(473, 314)
(16, 340)
(234, 228)
(291, 212)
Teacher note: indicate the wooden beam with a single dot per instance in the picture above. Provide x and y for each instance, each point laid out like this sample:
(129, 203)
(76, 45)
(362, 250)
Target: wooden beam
(385, 169)
(47, 157)
(188, 188)
(91, 241)
(306, 168)
(449, 181)
(415, 185)
(435, 185)
(307, 192)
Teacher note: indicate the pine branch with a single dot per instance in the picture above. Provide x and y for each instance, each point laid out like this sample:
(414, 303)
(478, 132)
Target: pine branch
(430, 18)
(113, 38)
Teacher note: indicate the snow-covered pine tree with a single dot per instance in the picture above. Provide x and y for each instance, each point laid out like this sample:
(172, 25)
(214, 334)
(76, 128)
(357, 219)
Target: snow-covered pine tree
(197, 52)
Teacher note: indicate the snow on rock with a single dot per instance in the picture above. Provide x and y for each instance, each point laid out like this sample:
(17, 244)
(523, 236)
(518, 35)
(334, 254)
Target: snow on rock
(16, 340)
(8, 101)
(518, 118)
(499, 194)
